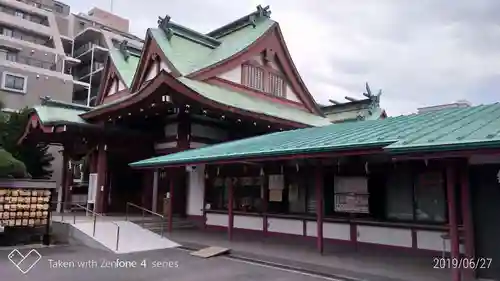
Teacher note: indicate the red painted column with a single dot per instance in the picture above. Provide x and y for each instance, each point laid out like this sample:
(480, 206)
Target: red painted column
(171, 198)
(265, 185)
(452, 217)
(467, 218)
(64, 181)
(102, 168)
(230, 204)
(319, 207)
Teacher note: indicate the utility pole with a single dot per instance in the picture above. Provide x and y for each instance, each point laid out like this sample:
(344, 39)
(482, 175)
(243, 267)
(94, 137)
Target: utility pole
(111, 3)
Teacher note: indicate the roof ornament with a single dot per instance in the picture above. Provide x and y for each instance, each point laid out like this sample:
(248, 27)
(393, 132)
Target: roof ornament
(164, 24)
(263, 11)
(260, 13)
(124, 49)
(375, 99)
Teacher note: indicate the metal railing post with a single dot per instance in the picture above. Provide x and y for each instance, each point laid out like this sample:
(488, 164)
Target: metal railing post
(117, 237)
(142, 217)
(161, 226)
(126, 212)
(93, 231)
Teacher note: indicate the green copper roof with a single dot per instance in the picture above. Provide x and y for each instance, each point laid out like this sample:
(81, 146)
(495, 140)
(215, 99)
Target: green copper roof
(183, 53)
(126, 68)
(236, 42)
(450, 129)
(188, 55)
(54, 112)
(253, 104)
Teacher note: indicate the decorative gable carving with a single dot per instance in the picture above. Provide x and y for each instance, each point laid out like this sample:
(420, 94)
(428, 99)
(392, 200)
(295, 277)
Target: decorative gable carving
(263, 73)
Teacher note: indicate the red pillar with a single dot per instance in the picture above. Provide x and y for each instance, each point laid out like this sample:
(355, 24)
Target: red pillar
(452, 217)
(171, 199)
(467, 218)
(230, 204)
(102, 167)
(265, 204)
(65, 180)
(319, 207)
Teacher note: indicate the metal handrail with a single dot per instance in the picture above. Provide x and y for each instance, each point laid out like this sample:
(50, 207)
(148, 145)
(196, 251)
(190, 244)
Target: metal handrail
(144, 210)
(94, 215)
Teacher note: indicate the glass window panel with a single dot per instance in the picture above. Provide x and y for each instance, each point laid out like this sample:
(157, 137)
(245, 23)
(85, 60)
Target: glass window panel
(430, 197)
(399, 196)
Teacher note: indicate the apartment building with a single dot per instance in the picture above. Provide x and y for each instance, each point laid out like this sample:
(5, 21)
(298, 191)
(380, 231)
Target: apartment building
(31, 55)
(45, 50)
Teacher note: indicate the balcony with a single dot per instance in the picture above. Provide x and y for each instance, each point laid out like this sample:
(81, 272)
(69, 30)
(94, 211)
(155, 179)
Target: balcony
(32, 61)
(85, 72)
(21, 14)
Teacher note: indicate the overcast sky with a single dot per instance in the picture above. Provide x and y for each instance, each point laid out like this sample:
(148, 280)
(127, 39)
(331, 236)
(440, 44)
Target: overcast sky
(419, 53)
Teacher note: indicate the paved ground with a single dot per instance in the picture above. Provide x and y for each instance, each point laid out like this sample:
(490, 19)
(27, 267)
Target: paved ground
(170, 264)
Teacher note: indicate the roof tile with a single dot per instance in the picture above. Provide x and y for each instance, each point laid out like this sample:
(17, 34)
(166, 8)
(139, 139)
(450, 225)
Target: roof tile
(448, 129)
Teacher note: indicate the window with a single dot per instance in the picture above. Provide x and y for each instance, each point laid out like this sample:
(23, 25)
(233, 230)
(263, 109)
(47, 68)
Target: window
(430, 200)
(19, 14)
(418, 197)
(399, 196)
(14, 82)
(276, 85)
(253, 77)
(59, 8)
(6, 31)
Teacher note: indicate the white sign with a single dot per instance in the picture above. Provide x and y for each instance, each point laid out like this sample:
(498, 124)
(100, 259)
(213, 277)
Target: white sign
(92, 188)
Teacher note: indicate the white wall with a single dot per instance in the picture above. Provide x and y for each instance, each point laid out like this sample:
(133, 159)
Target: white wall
(290, 94)
(289, 226)
(164, 66)
(218, 219)
(233, 75)
(152, 71)
(196, 190)
(432, 240)
(248, 222)
(385, 235)
(112, 88)
(121, 86)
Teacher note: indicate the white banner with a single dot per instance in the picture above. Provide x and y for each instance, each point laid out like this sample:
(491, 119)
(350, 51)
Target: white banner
(92, 188)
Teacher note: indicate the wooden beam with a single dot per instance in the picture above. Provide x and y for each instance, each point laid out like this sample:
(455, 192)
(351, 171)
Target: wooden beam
(467, 219)
(319, 207)
(230, 209)
(453, 221)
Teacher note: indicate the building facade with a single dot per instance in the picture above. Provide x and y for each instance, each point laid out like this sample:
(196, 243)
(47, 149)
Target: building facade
(45, 50)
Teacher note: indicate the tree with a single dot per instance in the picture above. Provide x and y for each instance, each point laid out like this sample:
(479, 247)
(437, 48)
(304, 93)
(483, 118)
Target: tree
(35, 156)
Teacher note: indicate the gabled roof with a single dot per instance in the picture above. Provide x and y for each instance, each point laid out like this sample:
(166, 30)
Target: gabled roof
(190, 51)
(125, 67)
(226, 97)
(445, 130)
(52, 112)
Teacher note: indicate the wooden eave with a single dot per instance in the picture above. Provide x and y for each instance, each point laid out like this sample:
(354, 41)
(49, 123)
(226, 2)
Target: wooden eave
(166, 79)
(65, 132)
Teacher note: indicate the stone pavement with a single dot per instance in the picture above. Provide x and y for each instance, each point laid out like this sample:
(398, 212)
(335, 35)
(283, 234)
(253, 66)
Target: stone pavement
(372, 264)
